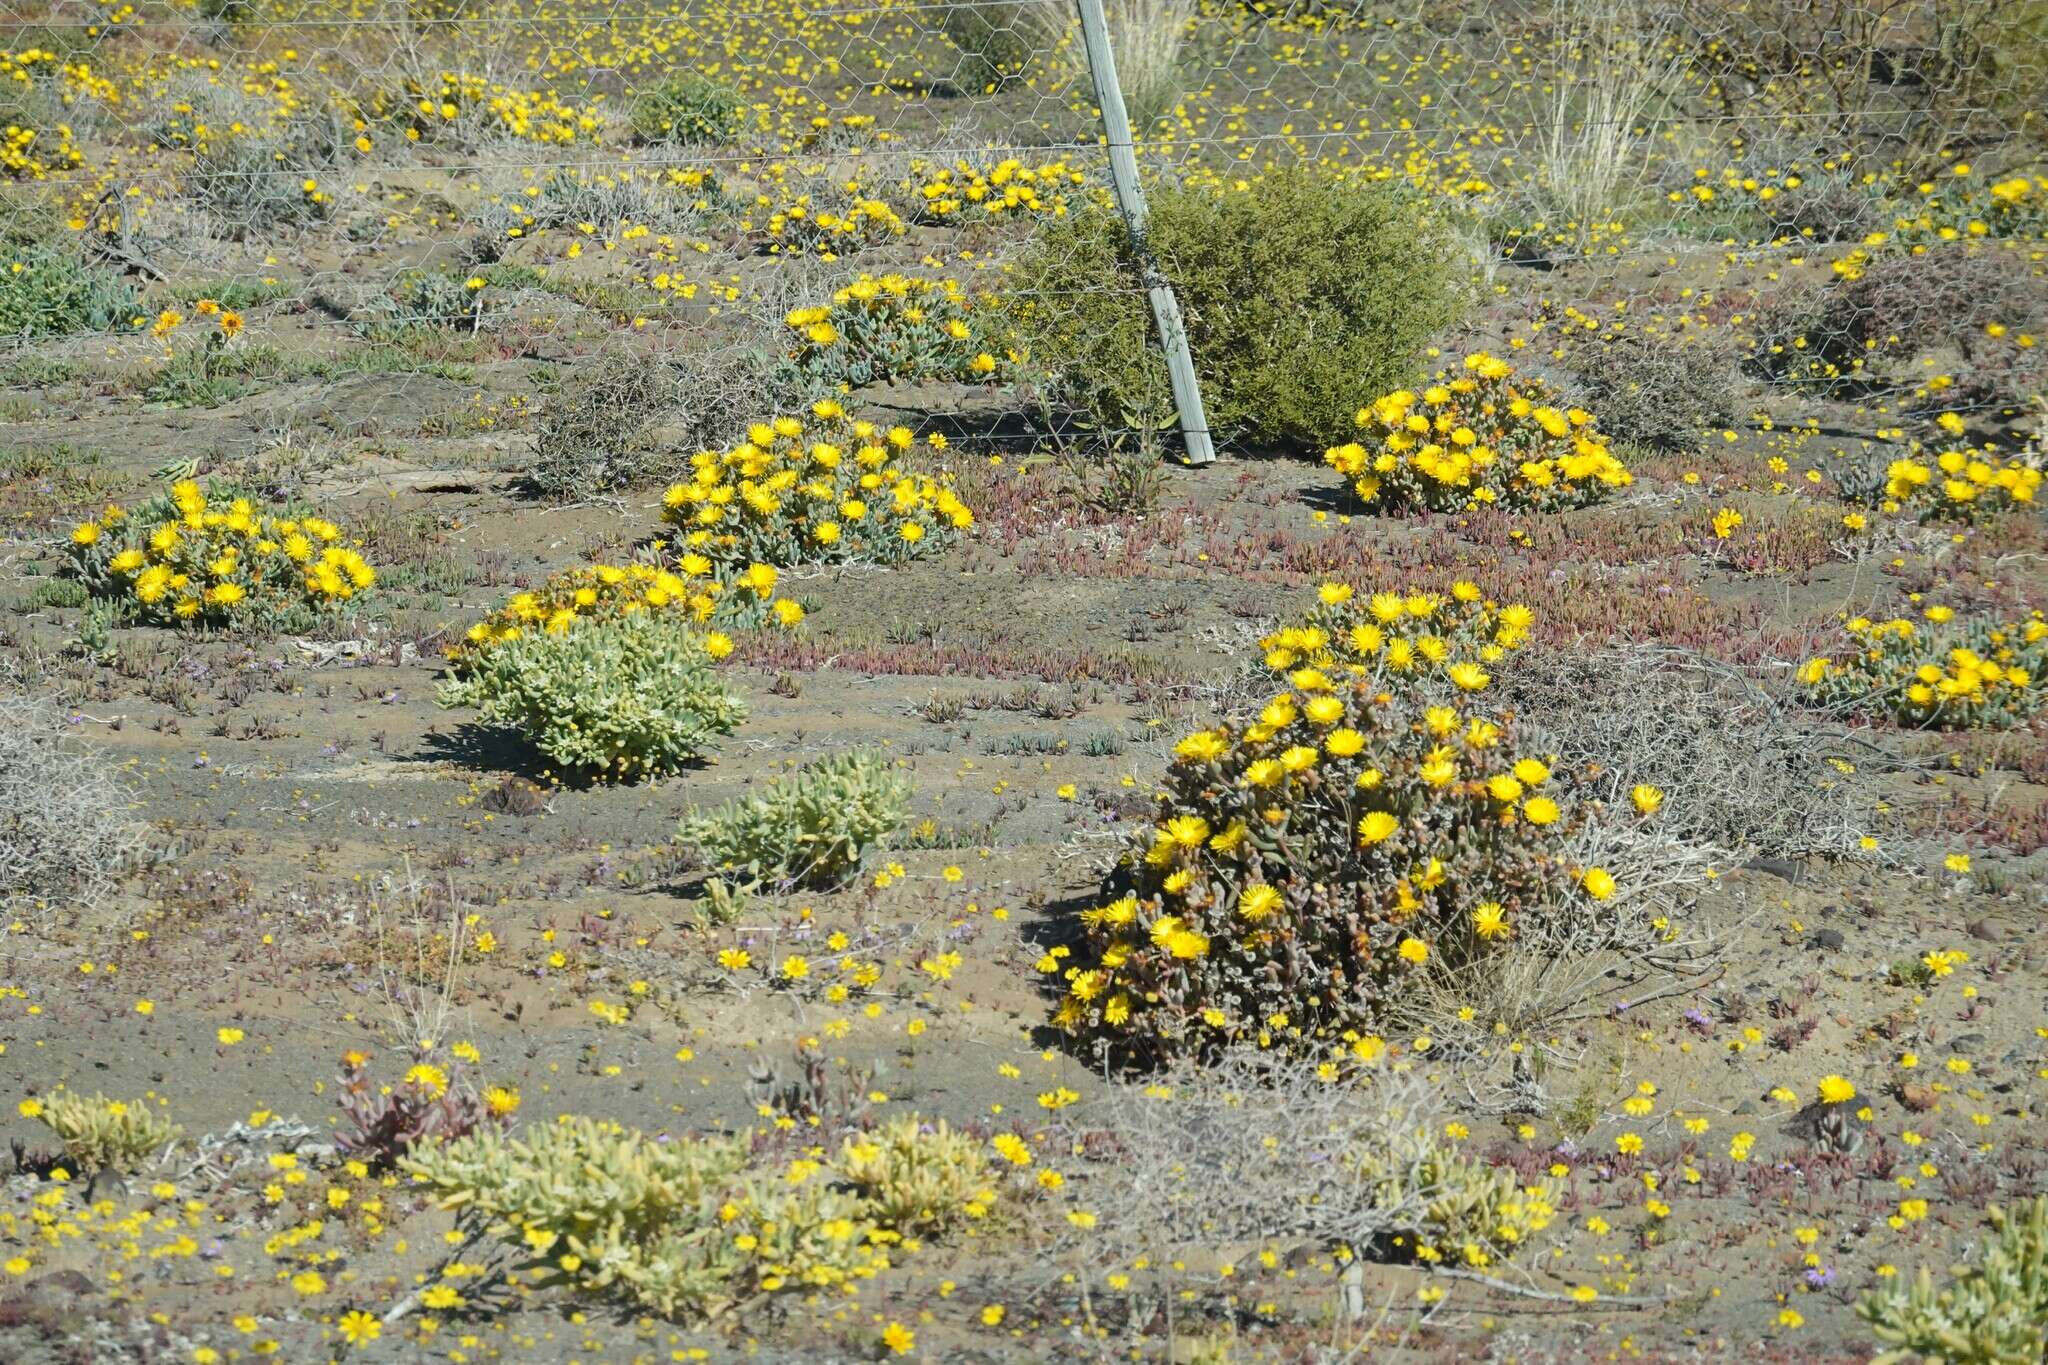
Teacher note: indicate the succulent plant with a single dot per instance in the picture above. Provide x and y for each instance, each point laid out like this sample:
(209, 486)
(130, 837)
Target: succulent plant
(808, 829)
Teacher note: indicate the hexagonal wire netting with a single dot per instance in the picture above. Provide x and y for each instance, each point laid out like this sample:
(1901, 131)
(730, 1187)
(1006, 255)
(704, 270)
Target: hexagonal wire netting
(425, 186)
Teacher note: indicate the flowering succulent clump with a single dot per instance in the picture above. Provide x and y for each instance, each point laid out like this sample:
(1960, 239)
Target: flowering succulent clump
(688, 593)
(613, 698)
(1941, 672)
(1396, 633)
(2014, 207)
(918, 1177)
(691, 1226)
(1484, 435)
(1006, 189)
(102, 1134)
(1961, 485)
(1367, 821)
(808, 829)
(205, 557)
(846, 219)
(1470, 1213)
(890, 328)
(832, 490)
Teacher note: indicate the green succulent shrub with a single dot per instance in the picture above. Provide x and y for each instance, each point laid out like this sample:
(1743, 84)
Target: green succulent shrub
(607, 698)
(1303, 297)
(1458, 1208)
(1992, 1311)
(100, 1134)
(691, 108)
(691, 1226)
(45, 292)
(808, 829)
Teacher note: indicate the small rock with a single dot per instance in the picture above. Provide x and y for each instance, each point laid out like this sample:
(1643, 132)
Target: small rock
(515, 796)
(1917, 1098)
(1783, 869)
(1966, 1042)
(1827, 941)
(1987, 931)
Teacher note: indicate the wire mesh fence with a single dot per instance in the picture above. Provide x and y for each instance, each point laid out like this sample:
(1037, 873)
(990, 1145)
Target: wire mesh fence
(420, 186)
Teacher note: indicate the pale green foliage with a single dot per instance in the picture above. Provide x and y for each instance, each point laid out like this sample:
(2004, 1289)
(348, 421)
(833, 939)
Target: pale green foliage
(1458, 1208)
(1991, 1312)
(810, 828)
(103, 1134)
(916, 1178)
(619, 698)
(690, 1226)
(660, 1222)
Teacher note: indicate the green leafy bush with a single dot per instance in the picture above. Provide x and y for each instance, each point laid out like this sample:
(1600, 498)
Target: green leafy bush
(45, 292)
(1368, 830)
(1993, 1311)
(101, 1134)
(690, 108)
(808, 829)
(608, 698)
(1301, 294)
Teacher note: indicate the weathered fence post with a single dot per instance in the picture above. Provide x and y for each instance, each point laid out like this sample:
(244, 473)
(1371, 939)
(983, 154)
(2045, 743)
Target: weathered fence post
(1130, 198)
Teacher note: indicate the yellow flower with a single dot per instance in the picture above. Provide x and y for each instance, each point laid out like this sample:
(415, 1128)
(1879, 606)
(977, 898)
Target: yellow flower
(1414, 950)
(1540, 810)
(1598, 882)
(1646, 798)
(1836, 1090)
(360, 1327)
(1376, 827)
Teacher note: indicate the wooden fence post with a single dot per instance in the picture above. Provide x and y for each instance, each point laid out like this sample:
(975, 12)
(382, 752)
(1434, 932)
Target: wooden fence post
(1130, 198)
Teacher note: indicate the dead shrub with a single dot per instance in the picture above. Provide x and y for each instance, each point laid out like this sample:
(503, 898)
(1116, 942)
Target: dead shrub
(1741, 772)
(65, 831)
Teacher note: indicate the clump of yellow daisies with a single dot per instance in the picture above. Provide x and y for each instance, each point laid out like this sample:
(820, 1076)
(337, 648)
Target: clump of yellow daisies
(1480, 436)
(830, 490)
(689, 592)
(1369, 822)
(896, 328)
(1944, 671)
(1961, 485)
(209, 557)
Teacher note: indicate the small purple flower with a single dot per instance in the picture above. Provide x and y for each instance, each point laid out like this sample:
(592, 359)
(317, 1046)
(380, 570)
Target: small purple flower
(1819, 1277)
